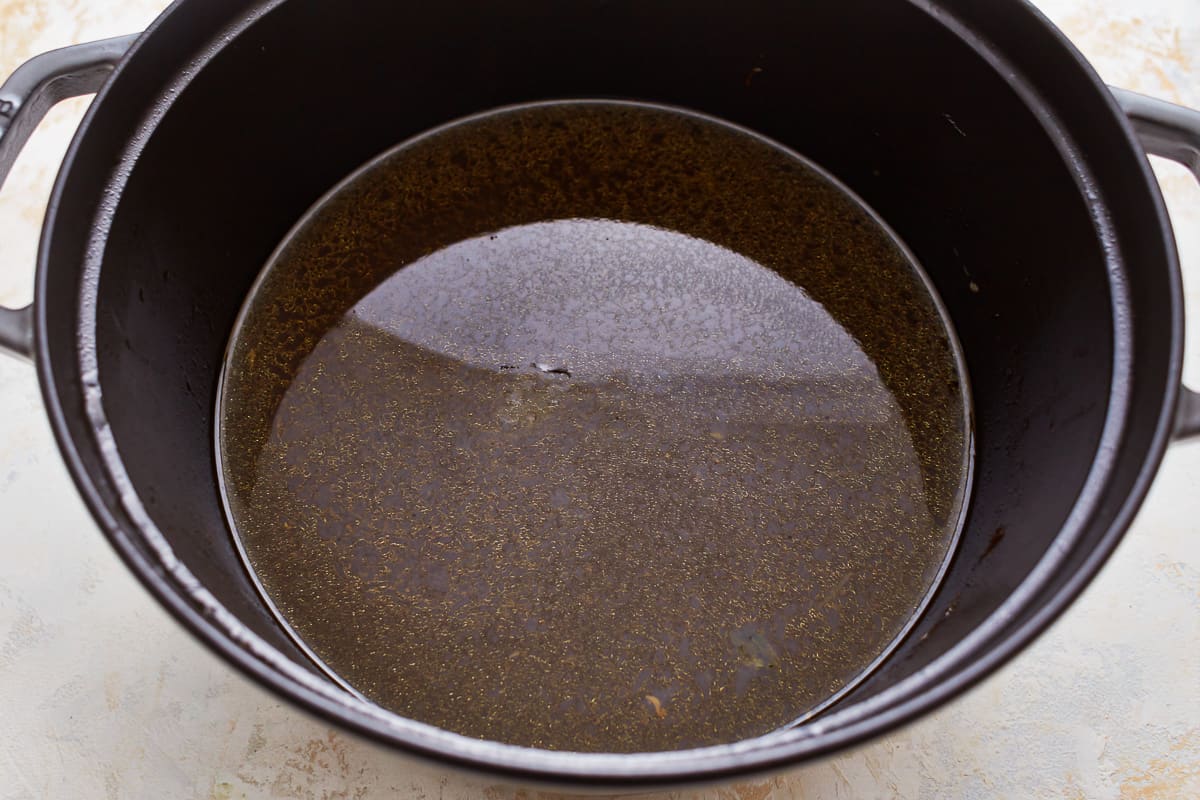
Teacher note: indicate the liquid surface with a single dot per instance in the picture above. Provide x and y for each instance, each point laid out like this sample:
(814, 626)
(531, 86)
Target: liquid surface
(594, 427)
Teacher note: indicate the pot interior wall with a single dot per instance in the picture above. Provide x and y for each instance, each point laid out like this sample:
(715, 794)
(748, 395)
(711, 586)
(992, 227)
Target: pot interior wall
(880, 94)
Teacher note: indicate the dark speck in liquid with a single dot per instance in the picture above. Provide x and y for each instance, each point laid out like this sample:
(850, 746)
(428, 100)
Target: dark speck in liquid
(596, 427)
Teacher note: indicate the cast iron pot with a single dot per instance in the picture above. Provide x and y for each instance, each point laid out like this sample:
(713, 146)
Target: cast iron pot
(973, 128)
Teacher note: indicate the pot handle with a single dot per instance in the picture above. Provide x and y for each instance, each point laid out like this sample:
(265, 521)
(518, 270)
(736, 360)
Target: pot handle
(1173, 132)
(31, 91)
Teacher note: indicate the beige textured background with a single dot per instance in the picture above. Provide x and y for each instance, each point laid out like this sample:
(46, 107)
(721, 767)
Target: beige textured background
(101, 695)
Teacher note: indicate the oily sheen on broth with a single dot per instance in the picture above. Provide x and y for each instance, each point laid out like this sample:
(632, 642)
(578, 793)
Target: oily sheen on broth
(594, 426)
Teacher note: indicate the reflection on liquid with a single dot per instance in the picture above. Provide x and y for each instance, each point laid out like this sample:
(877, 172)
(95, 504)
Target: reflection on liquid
(584, 484)
(601, 297)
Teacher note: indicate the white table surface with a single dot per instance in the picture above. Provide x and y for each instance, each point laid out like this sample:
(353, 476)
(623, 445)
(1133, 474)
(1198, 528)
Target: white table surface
(103, 695)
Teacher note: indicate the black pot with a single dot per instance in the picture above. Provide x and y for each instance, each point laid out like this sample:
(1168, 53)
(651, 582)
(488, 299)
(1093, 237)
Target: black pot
(973, 129)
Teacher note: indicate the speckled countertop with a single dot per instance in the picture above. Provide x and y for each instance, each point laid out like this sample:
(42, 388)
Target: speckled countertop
(102, 695)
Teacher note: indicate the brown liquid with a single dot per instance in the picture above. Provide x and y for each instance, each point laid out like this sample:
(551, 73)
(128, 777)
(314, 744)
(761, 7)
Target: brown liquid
(594, 427)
